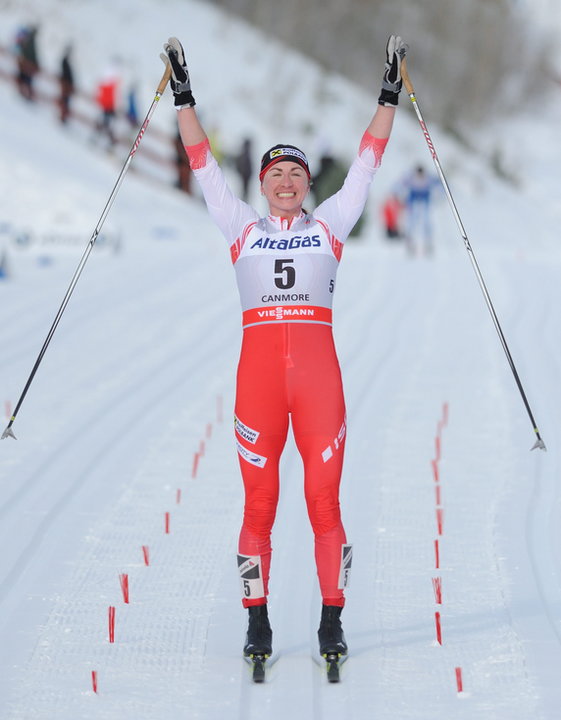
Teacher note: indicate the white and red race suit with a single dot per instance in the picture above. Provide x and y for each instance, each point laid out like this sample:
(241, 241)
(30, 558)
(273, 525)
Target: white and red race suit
(288, 366)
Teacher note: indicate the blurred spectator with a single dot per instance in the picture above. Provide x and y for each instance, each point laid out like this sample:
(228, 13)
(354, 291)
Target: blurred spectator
(107, 98)
(132, 107)
(4, 274)
(25, 50)
(328, 180)
(183, 181)
(392, 212)
(418, 190)
(66, 82)
(244, 167)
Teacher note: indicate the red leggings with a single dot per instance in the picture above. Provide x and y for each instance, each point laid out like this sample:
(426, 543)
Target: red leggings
(291, 369)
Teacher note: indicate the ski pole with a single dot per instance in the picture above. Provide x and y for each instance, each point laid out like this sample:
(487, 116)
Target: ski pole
(409, 87)
(8, 432)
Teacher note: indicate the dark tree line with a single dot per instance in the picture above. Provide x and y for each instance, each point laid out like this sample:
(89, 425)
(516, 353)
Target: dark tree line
(467, 57)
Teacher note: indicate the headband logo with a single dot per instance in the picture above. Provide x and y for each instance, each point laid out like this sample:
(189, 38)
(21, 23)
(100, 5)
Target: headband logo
(279, 152)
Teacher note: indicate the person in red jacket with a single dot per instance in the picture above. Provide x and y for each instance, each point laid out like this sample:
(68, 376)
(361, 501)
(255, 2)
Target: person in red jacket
(106, 97)
(288, 374)
(392, 212)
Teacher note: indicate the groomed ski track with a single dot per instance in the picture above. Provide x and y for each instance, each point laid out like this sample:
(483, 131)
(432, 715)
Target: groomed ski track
(107, 440)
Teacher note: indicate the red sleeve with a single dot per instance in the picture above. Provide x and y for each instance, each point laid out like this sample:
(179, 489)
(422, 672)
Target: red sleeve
(198, 154)
(376, 145)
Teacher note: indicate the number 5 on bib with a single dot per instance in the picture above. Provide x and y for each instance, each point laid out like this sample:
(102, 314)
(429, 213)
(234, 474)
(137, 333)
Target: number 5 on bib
(249, 567)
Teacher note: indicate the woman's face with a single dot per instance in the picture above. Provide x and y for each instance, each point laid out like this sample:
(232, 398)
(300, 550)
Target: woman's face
(285, 186)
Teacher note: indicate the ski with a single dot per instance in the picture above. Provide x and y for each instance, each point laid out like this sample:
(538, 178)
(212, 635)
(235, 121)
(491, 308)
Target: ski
(333, 666)
(257, 663)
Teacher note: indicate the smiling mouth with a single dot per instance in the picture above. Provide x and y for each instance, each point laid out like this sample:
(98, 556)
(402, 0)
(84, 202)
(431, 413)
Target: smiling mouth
(286, 195)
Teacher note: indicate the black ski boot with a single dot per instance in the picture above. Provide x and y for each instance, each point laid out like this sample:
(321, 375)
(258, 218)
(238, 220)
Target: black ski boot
(330, 633)
(259, 639)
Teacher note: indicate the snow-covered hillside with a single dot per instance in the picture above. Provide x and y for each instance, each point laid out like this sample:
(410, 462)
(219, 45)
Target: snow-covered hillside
(126, 430)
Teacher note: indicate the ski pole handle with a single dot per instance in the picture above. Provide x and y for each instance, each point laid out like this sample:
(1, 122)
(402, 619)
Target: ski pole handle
(164, 81)
(405, 77)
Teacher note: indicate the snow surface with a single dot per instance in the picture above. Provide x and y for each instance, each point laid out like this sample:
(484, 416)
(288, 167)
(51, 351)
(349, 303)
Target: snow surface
(139, 380)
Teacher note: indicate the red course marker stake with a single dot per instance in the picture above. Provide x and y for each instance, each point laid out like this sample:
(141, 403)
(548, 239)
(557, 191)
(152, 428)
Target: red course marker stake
(124, 580)
(459, 681)
(436, 554)
(438, 628)
(195, 465)
(440, 520)
(437, 586)
(434, 464)
(146, 554)
(111, 624)
(94, 681)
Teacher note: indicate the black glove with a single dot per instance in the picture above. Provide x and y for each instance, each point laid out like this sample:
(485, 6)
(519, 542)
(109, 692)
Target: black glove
(391, 83)
(179, 81)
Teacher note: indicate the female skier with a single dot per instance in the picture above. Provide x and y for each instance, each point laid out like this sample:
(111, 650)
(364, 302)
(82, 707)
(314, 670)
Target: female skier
(285, 265)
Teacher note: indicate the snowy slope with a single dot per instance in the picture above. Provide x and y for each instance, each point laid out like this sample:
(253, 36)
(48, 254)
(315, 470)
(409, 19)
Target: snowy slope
(137, 386)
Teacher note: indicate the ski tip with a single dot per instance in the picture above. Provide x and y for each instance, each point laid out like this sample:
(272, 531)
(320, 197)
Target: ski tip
(333, 666)
(8, 432)
(538, 444)
(257, 662)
